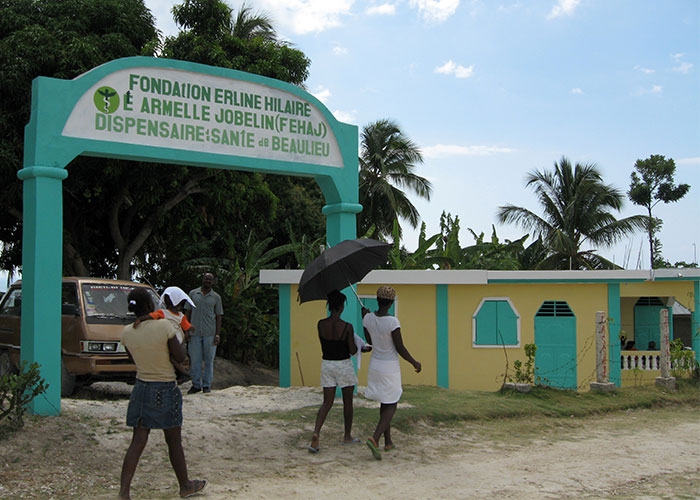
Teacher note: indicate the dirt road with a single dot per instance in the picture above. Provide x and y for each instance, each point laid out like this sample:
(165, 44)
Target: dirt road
(643, 454)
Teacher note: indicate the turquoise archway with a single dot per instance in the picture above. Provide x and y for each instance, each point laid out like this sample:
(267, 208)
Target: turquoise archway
(167, 111)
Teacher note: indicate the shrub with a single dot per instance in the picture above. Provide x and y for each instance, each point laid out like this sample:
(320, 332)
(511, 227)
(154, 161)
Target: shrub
(683, 363)
(525, 373)
(16, 391)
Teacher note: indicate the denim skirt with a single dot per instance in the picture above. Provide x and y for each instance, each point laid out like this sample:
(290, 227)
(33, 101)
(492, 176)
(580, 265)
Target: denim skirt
(155, 405)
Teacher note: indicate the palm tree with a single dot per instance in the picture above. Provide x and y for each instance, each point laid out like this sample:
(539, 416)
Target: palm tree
(577, 211)
(387, 162)
(213, 19)
(248, 25)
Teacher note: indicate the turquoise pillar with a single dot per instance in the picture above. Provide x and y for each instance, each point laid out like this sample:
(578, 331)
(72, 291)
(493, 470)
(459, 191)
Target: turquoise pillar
(443, 337)
(341, 224)
(614, 322)
(285, 338)
(341, 221)
(41, 279)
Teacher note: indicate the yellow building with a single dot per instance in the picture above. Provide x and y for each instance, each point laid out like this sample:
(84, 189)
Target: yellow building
(468, 327)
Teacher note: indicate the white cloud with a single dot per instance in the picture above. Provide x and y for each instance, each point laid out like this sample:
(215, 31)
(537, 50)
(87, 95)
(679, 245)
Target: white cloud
(301, 17)
(435, 10)
(646, 71)
(321, 93)
(576, 91)
(385, 9)
(682, 66)
(678, 56)
(510, 9)
(451, 68)
(444, 150)
(689, 161)
(346, 116)
(563, 8)
(654, 89)
(339, 50)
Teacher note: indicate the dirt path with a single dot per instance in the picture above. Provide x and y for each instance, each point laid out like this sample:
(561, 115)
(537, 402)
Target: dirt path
(650, 454)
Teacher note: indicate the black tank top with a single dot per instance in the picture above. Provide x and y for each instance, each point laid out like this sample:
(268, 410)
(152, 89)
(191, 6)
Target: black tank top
(335, 350)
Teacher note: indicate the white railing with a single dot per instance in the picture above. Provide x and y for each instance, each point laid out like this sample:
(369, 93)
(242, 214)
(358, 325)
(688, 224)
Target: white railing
(641, 360)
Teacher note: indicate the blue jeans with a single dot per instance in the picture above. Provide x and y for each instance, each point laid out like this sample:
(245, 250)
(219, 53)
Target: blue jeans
(202, 353)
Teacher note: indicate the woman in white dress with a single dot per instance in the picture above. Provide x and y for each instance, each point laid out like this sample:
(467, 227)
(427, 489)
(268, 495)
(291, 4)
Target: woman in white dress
(383, 331)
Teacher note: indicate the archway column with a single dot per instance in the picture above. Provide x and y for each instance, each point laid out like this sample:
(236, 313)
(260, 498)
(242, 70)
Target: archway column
(341, 224)
(341, 221)
(41, 279)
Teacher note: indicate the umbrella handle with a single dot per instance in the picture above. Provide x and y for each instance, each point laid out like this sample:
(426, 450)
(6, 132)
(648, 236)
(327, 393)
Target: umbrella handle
(355, 292)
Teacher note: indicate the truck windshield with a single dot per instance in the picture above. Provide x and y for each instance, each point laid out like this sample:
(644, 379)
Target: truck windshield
(108, 302)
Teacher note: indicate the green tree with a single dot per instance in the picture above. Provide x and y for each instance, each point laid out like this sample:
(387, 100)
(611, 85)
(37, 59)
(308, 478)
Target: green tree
(577, 211)
(421, 258)
(388, 160)
(249, 25)
(652, 183)
(448, 246)
(61, 39)
(119, 223)
(249, 328)
(211, 36)
(493, 254)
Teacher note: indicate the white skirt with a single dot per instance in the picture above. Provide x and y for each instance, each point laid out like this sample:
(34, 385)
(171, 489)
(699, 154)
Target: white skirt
(384, 381)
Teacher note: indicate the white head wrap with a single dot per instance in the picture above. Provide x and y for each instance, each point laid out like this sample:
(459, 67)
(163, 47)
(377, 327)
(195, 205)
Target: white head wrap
(176, 295)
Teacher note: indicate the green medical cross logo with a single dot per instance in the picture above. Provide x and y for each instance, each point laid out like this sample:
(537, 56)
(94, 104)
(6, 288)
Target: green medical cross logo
(106, 100)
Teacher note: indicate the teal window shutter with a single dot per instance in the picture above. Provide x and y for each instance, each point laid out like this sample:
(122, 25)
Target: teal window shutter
(496, 323)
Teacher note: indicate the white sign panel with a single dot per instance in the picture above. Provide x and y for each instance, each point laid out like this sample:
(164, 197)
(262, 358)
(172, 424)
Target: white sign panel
(197, 112)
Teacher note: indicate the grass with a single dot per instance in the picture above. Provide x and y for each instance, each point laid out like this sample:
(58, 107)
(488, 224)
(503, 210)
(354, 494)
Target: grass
(433, 405)
(445, 406)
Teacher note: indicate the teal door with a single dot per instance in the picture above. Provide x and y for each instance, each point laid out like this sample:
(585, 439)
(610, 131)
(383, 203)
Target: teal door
(647, 323)
(555, 338)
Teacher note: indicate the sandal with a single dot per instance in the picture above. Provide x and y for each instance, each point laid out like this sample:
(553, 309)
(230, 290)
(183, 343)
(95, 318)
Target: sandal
(198, 486)
(314, 447)
(388, 447)
(372, 444)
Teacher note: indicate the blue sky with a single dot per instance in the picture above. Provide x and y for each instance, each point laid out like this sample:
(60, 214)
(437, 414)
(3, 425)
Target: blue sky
(491, 90)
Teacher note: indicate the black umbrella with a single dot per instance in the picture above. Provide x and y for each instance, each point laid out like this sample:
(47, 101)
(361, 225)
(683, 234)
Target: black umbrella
(341, 266)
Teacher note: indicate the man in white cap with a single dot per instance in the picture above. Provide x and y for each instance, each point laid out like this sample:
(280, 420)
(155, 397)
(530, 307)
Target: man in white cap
(206, 320)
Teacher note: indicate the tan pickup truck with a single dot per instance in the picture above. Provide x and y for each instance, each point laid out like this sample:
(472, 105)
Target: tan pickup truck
(93, 315)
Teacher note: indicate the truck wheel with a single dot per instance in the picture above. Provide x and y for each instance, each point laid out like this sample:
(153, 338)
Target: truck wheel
(67, 382)
(6, 366)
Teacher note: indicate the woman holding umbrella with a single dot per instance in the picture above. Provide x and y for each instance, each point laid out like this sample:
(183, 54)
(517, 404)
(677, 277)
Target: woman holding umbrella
(337, 345)
(383, 331)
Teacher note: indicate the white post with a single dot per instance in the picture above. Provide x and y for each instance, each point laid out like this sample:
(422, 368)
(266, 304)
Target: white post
(601, 348)
(665, 380)
(601, 354)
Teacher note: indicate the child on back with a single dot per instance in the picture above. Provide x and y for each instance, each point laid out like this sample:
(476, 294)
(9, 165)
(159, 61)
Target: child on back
(171, 302)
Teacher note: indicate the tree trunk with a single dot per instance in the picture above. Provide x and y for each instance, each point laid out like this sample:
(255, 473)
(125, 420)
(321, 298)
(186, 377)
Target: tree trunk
(127, 248)
(73, 262)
